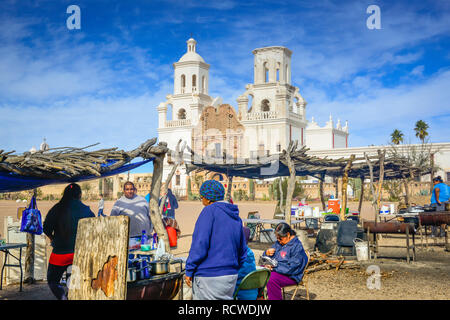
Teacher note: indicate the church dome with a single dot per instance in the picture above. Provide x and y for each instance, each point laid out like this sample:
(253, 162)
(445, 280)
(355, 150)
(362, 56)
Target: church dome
(191, 55)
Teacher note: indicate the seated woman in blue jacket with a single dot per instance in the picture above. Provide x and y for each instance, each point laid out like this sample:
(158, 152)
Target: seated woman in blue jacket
(291, 257)
(248, 266)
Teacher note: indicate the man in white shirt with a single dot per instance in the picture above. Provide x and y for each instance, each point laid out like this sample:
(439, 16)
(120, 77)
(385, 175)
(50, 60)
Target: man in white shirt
(136, 207)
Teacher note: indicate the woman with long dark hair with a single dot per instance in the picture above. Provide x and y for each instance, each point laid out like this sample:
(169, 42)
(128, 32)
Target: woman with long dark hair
(291, 260)
(60, 226)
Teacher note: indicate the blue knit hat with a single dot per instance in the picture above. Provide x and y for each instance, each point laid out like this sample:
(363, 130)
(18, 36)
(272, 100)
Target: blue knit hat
(212, 190)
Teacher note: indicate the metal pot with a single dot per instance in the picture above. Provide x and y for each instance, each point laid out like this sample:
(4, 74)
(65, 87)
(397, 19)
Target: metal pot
(159, 267)
(131, 274)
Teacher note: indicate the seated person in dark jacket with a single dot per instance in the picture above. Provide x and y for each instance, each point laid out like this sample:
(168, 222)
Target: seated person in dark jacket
(291, 260)
(248, 266)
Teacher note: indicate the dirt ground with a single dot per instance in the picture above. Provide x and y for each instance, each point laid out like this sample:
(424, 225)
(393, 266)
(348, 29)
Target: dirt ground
(427, 278)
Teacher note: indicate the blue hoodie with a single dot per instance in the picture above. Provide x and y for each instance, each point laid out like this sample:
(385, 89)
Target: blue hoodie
(291, 259)
(218, 244)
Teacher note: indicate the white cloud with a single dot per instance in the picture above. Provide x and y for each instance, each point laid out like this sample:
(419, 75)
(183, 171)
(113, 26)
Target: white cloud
(418, 71)
(122, 122)
(373, 117)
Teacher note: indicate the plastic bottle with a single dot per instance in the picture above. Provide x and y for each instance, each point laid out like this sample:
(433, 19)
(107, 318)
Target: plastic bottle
(155, 241)
(143, 238)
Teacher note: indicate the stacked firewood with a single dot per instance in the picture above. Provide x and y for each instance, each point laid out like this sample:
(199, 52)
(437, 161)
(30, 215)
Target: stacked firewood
(325, 261)
(72, 162)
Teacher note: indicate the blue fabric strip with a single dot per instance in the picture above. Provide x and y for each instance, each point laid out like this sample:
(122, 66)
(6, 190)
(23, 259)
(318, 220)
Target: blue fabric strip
(11, 182)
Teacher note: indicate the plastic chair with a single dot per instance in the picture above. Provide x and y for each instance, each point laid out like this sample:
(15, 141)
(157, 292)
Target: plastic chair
(302, 283)
(346, 233)
(253, 226)
(254, 280)
(332, 217)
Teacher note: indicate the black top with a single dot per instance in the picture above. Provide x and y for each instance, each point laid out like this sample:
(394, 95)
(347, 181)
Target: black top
(60, 245)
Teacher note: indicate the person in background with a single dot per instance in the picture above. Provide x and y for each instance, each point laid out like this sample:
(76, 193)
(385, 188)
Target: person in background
(248, 266)
(136, 207)
(170, 205)
(218, 247)
(60, 226)
(291, 257)
(101, 206)
(439, 196)
(440, 192)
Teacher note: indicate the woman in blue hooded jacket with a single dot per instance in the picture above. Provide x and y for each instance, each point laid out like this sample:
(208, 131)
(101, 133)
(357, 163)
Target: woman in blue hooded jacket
(291, 260)
(218, 247)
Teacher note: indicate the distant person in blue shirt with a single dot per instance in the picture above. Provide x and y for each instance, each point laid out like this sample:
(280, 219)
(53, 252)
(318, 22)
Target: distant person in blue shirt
(440, 194)
(440, 191)
(248, 266)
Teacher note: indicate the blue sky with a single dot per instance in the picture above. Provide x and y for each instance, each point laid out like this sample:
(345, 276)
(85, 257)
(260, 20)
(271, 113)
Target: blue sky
(102, 83)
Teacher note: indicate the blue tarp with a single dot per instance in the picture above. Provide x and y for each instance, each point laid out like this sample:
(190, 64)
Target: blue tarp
(11, 182)
(272, 169)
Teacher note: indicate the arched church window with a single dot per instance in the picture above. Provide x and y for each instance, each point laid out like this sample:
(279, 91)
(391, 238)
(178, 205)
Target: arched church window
(203, 84)
(194, 83)
(265, 105)
(183, 83)
(278, 71)
(181, 114)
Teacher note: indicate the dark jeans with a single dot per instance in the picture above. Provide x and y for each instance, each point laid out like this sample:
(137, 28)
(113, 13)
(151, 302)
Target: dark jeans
(54, 275)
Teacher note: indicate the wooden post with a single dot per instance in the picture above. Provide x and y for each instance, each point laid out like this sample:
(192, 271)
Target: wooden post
(100, 259)
(432, 172)
(280, 185)
(371, 185)
(368, 242)
(407, 243)
(344, 186)
(178, 161)
(155, 215)
(421, 235)
(361, 196)
(30, 254)
(291, 181)
(229, 187)
(321, 182)
(447, 246)
(380, 182)
(405, 184)
(29, 259)
(336, 185)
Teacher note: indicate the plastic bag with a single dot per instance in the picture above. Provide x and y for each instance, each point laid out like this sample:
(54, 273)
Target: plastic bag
(31, 219)
(160, 250)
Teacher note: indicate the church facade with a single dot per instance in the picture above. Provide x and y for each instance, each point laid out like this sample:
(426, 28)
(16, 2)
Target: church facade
(270, 113)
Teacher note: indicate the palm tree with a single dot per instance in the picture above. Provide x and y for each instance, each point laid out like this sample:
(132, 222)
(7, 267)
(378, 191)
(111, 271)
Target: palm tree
(397, 137)
(421, 130)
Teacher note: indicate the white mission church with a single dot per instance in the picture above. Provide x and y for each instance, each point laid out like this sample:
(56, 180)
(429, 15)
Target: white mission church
(271, 112)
